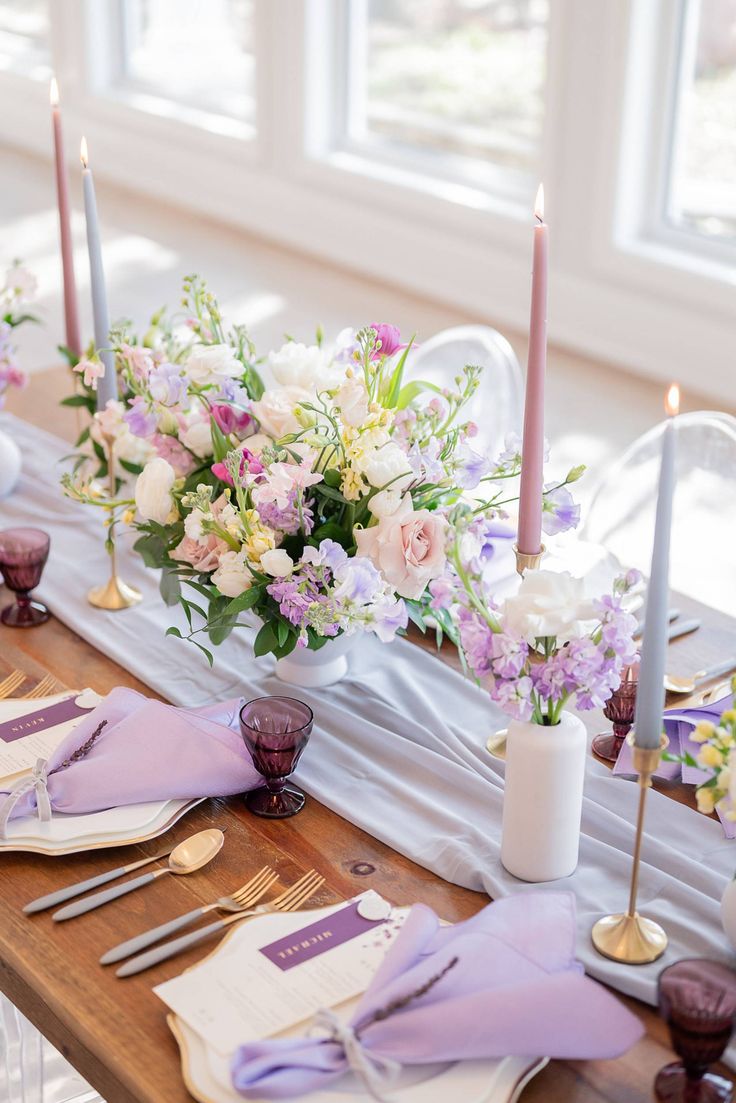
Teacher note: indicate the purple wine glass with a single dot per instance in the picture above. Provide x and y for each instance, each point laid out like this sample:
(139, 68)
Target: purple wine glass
(620, 709)
(276, 731)
(23, 555)
(697, 999)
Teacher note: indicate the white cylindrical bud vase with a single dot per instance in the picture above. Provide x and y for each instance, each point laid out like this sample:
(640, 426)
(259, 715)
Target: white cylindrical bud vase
(543, 798)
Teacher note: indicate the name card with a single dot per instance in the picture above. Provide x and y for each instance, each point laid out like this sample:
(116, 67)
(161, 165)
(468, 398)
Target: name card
(49, 717)
(326, 934)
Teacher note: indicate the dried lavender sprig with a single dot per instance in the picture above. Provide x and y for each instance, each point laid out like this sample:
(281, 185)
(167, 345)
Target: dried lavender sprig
(401, 1002)
(84, 749)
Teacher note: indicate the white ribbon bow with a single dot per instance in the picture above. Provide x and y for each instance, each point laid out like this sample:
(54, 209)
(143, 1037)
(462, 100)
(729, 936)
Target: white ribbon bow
(377, 1073)
(36, 782)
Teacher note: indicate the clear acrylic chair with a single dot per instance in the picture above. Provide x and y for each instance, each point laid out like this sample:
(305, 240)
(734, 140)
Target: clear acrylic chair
(497, 405)
(621, 512)
(31, 1070)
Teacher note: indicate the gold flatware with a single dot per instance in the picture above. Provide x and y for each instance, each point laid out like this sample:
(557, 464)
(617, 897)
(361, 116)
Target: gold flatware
(250, 893)
(11, 683)
(188, 856)
(288, 901)
(45, 688)
(688, 685)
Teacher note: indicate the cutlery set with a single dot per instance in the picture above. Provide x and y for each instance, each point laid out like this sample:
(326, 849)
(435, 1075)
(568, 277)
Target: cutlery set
(190, 855)
(45, 688)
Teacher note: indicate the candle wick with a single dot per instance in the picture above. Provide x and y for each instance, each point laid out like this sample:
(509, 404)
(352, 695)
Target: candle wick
(539, 219)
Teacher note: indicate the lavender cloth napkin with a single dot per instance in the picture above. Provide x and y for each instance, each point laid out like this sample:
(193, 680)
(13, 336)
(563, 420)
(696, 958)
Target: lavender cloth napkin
(145, 751)
(679, 725)
(514, 990)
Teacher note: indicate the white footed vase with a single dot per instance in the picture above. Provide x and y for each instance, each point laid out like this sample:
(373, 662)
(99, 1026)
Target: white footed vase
(10, 464)
(543, 798)
(728, 912)
(314, 669)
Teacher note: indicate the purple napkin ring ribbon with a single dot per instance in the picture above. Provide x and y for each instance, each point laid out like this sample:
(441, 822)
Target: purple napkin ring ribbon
(377, 1073)
(36, 782)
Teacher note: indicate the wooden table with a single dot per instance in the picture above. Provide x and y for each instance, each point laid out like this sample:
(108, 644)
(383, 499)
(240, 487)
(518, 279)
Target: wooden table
(113, 1031)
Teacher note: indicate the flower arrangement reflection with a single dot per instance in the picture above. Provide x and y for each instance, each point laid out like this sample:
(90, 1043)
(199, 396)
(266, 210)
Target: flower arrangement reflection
(717, 757)
(324, 503)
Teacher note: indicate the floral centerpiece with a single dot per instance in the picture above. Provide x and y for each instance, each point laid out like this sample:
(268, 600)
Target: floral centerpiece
(16, 292)
(717, 757)
(323, 504)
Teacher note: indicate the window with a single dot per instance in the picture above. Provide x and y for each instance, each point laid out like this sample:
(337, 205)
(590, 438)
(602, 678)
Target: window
(191, 59)
(453, 88)
(701, 193)
(24, 38)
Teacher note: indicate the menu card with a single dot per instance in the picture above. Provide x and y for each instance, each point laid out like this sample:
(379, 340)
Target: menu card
(259, 985)
(30, 730)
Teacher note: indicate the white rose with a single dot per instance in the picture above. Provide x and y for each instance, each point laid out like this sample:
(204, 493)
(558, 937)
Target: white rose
(211, 363)
(153, 491)
(297, 365)
(548, 604)
(198, 438)
(277, 563)
(275, 410)
(352, 398)
(388, 464)
(232, 577)
(385, 503)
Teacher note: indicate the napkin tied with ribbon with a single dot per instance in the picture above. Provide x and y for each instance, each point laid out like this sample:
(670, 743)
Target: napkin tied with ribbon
(504, 983)
(132, 749)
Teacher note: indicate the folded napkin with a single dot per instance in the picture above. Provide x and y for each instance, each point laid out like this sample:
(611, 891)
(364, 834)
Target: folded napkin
(132, 749)
(504, 983)
(679, 725)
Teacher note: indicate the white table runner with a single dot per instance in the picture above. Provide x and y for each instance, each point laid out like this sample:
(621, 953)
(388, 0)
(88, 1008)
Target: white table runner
(398, 746)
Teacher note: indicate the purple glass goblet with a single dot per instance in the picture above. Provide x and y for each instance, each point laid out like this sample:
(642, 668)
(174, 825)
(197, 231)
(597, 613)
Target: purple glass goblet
(23, 555)
(275, 731)
(697, 999)
(620, 709)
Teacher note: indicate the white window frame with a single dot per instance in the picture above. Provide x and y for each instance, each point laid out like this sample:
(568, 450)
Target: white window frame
(618, 291)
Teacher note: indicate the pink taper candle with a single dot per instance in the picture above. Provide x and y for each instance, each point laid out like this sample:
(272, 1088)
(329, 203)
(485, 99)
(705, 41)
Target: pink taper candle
(529, 539)
(71, 317)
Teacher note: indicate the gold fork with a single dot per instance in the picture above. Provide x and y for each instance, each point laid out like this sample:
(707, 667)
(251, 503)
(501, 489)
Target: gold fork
(288, 901)
(11, 683)
(250, 893)
(45, 688)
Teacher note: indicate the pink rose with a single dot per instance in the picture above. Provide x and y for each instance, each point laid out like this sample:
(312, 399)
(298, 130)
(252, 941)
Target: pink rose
(203, 556)
(408, 547)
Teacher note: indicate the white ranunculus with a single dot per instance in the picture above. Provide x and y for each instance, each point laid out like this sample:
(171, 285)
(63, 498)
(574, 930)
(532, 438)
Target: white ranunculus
(277, 562)
(197, 437)
(232, 577)
(297, 365)
(275, 410)
(548, 604)
(385, 503)
(212, 363)
(388, 464)
(153, 496)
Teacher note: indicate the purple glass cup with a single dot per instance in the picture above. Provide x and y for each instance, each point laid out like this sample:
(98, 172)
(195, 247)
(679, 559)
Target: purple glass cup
(23, 555)
(697, 1000)
(275, 731)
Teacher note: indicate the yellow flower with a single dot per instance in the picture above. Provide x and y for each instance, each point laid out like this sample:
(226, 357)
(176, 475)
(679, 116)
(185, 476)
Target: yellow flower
(352, 485)
(259, 539)
(706, 800)
(709, 756)
(729, 716)
(128, 517)
(704, 730)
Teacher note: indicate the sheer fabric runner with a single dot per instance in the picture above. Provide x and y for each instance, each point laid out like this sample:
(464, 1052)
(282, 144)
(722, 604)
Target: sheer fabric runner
(398, 747)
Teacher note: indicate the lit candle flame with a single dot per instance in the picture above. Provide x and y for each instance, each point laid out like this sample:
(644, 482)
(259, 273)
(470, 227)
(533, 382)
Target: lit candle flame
(83, 152)
(54, 93)
(539, 203)
(672, 401)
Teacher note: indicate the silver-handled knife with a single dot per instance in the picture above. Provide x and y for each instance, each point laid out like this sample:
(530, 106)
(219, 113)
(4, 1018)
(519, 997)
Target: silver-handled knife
(683, 628)
(68, 893)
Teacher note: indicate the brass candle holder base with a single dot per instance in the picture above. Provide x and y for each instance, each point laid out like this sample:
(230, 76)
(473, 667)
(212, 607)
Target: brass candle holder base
(627, 936)
(496, 743)
(115, 594)
(527, 562)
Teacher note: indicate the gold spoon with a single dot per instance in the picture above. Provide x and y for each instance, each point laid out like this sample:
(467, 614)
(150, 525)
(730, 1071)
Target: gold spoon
(689, 685)
(188, 856)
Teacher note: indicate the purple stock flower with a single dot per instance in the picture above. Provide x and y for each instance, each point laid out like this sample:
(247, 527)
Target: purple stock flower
(514, 697)
(560, 512)
(140, 419)
(509, 655)
(287, 520)
(476, 639)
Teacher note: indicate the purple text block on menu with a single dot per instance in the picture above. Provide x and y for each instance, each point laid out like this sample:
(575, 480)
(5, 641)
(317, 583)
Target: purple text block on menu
(309, 942)
(33, 722)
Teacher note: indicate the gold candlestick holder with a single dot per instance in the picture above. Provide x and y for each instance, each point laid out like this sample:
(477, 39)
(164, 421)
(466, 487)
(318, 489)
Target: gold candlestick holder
(113, 594)
(629, 937)
(496, 743)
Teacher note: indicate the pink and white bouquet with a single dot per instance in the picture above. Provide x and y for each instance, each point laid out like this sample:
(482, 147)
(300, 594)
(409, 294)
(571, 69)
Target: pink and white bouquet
(324, 503)
(17, 291)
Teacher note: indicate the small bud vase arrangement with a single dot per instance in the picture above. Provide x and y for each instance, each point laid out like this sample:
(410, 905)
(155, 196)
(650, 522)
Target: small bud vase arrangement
(547, 646)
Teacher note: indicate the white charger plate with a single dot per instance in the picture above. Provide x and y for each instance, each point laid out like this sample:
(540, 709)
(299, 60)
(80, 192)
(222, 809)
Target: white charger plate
(206, 1073)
